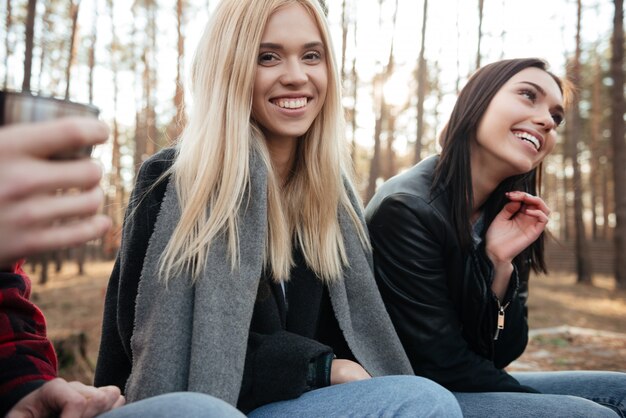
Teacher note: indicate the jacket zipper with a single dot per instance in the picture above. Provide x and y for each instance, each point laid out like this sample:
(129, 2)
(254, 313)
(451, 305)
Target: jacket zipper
(500, 321)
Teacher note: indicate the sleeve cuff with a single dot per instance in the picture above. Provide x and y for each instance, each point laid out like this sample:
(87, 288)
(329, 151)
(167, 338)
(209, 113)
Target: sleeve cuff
(8, 400)
(319, 371)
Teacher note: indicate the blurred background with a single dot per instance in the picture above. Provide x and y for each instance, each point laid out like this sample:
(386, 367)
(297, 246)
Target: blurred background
(402, 63)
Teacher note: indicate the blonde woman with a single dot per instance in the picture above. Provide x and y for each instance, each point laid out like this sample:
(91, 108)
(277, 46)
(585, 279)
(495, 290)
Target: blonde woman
(245, 269)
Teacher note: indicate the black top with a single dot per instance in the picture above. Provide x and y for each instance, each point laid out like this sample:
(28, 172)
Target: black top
(292, 337)
(439, 298)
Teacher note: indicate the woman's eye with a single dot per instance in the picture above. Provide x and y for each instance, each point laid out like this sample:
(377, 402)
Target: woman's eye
(312, 56)
(558, 119)
(267, 58)
(529, 94)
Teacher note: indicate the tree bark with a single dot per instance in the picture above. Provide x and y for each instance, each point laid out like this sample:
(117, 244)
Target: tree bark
(617, 140)
(177, 125)
(8, 23)
(480, 32)
(92, 49)
(382, 111)
(74, 7)
(421, 88)
(28, 47)
(596, 149)
(583, 259)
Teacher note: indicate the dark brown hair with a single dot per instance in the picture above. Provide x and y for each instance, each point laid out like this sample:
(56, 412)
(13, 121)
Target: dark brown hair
(453, 171)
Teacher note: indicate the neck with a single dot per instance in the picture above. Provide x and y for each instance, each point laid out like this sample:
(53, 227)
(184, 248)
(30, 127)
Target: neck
(484, 181)
(283, 154)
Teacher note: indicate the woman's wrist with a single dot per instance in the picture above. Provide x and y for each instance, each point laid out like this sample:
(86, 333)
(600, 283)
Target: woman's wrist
(501, 277)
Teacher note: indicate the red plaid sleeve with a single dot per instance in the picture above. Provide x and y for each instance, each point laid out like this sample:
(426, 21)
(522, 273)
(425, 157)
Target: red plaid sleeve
(26, 354)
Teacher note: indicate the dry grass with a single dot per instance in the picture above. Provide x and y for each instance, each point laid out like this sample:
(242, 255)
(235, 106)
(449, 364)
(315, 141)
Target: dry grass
(73, 304)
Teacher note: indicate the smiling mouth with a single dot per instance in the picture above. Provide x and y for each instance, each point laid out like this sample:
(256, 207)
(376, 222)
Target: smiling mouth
(525, 136)
(295, 103)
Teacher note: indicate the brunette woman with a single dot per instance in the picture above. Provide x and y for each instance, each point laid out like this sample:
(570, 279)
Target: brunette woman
(454, 240)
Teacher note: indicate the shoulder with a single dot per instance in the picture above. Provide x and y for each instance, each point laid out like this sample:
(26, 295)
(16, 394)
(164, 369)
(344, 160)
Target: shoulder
(157, 164)
(409, 191)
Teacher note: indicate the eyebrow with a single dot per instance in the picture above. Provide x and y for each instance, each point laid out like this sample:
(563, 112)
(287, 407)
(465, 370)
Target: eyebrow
(543, 93)
(272, 45)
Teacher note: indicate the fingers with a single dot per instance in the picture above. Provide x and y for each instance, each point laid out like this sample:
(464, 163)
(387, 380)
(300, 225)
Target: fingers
(97, 400)
(37, 176)
(45, 238)
(538, 214)
(510, 209)
(529, 200)
(45, 139)
(67, 234)
(43, 209)
(59, 396)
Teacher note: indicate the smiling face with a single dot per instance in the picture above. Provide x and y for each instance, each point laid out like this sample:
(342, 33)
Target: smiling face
(291, 76)
(518, 128)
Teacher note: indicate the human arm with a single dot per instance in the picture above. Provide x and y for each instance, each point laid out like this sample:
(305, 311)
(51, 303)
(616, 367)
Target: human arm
(417, 262)
(34, 217)
(27, 359)
(67, 400)
(28, 364)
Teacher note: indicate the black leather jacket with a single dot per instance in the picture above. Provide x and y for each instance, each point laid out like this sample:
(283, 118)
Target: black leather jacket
(439, 300)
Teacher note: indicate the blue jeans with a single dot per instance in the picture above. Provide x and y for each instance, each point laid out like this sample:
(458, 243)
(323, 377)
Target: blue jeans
(563, 394)
(178, 404)
(390, 396)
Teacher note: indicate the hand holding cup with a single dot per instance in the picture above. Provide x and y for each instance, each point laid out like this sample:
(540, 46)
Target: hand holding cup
(37, 211)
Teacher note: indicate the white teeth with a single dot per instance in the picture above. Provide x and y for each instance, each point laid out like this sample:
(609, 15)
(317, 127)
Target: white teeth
(530, 138)
(291, 103)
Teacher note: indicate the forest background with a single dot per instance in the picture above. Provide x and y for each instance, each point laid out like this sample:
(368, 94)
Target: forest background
(402, 63)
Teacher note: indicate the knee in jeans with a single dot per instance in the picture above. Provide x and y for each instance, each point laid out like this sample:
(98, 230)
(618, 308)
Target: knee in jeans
(428, 394)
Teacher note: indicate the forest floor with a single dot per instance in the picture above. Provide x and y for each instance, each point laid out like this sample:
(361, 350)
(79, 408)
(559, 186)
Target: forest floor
(573, 327)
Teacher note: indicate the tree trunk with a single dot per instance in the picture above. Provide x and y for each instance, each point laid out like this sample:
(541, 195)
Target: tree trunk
(583, 259)
(390, 164)
(344, 39)
(619, 146)
(43, 274)
(8, 23)
(379, 83)
(480, 32)
(72, 51)
(116, 171)
(421, 88)
(28, 47)
(378, 128)
(596, 154)
(177, 125)
(355, 92)
(92, 49)
(457, 83)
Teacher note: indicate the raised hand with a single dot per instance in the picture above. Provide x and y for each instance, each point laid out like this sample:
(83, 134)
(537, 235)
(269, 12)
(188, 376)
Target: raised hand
(36, 212)
(518, 225)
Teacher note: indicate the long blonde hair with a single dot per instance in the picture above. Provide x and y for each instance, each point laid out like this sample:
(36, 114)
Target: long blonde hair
(212, 165)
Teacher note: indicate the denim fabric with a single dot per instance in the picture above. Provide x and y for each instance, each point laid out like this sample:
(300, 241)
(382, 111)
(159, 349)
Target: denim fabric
(390, 396)
(604, 388)
(177, 404)
(563, 394)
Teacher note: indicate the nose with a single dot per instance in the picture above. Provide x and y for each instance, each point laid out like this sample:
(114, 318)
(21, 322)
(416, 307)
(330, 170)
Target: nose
(543, 118)
(294, 74)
